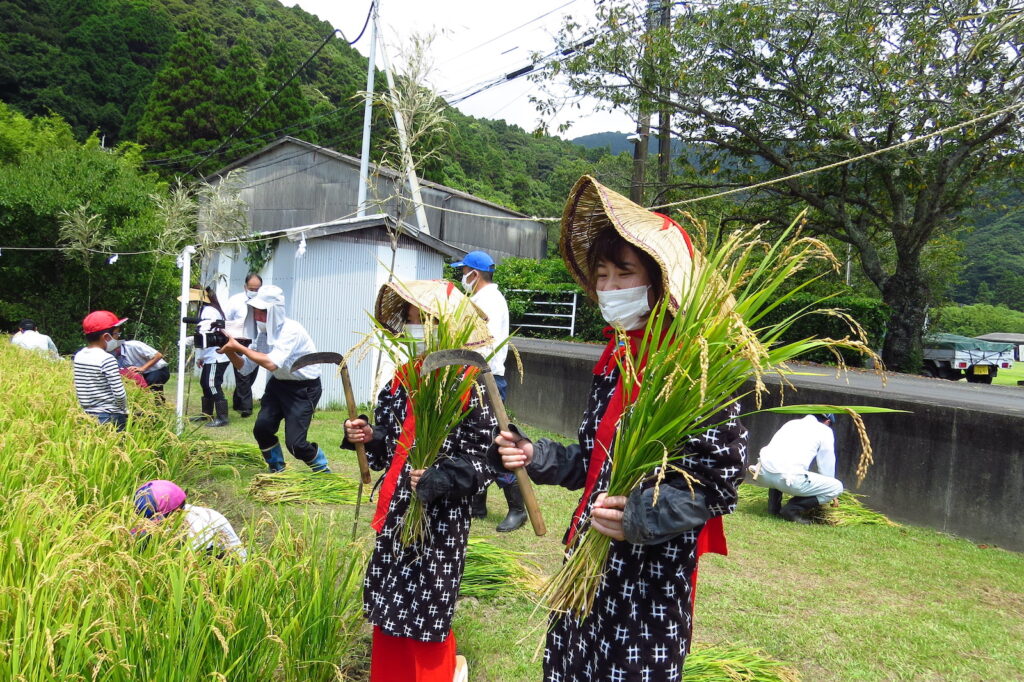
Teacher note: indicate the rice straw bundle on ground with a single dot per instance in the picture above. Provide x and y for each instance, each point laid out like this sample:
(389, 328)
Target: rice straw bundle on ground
(228, 452)
(301, 487)
(492, 570)
(703, 340)
(735, 664)
(850, 512)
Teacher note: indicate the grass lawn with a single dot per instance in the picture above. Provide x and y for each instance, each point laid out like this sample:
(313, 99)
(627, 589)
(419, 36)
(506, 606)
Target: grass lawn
(838, 603)
(1010, 377)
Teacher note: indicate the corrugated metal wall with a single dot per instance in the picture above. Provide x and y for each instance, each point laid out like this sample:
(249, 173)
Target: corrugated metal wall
(292, 185)
(331, 291)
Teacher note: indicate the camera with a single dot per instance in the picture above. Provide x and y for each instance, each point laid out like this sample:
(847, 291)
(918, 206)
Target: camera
(215, 338)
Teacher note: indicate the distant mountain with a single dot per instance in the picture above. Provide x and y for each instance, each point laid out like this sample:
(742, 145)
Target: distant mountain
(617, 143)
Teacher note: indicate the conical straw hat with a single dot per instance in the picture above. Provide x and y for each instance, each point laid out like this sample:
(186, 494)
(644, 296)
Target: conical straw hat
(593, 208)
(435, 297)
(197, 295)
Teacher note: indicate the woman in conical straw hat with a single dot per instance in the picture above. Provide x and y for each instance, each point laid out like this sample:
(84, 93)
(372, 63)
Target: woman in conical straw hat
(629, 259)
(410, 590)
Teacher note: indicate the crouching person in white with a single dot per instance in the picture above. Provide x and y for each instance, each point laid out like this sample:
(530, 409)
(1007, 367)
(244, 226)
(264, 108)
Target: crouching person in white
(785, 463)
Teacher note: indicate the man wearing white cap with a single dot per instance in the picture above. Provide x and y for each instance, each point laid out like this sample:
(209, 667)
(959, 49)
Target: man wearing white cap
(477, 279)
(289, 396)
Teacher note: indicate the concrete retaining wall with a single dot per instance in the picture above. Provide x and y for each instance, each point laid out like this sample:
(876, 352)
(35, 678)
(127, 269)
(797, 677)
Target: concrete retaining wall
(952, 467)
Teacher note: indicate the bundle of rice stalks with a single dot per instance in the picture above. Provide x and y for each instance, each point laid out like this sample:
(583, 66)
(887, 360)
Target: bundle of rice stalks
(227, 452)
(300, 487)
(491, 570)
(692, 362)
(734, 664)
(850, 512)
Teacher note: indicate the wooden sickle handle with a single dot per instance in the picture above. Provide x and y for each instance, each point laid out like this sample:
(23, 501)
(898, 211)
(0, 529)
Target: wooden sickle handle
(525, 486)
(353, 413)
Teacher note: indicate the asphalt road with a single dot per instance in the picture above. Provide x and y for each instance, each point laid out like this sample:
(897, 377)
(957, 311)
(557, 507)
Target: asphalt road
(959, 394)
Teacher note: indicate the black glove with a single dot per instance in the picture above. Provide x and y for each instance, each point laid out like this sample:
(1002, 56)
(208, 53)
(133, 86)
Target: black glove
(492, 456)
(678, 510)
(434, 484)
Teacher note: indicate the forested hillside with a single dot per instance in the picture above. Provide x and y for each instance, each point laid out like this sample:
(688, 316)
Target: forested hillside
(180, 76)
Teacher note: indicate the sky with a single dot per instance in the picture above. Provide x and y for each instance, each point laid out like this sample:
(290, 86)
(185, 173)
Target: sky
(475, 41)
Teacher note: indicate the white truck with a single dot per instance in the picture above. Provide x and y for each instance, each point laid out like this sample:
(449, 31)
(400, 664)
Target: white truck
(949, 356)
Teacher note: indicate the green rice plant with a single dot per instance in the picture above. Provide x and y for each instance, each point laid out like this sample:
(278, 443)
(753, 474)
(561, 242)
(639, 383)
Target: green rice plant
(82, 598)
(302, 487)
(849, 512)
(729, 663)
(439, 401)
(691, 364)
(492, 570)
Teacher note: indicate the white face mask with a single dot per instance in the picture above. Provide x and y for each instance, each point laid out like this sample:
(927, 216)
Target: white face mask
(261, 327)
(466, 284)
(415, 331)
(113, 344)
(625, 308)
(249, 293)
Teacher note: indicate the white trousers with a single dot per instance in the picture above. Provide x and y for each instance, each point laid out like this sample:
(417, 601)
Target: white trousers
(804, 484)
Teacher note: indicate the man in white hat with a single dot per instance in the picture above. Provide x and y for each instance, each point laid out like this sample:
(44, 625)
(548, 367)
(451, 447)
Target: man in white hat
(289, 396)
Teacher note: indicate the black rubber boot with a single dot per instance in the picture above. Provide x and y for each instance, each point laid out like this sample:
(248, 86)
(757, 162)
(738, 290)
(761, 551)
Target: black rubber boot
(796, 508)
(774, 501)
(478, 508)
(516, 516)
(207, 414)
(222, 413)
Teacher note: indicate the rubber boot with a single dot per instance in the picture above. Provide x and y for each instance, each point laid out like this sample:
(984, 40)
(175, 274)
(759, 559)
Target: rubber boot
(516, 516)
(478, 507)
(221, 406)
(774, 501)
(207, 414)
(274, 458)
(319, 463)
(796, 508)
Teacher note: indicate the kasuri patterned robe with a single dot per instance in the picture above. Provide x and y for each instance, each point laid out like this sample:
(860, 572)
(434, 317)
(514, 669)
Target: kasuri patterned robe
(411, 591)
(639, 628)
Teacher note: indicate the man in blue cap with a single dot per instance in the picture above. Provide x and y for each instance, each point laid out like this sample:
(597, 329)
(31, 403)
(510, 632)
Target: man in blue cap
(477, 270)
(785, 463)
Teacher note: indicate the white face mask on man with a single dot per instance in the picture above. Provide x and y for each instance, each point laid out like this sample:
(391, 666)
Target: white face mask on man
(625, 308)
(261, 327)
(467, 285)
(249, 293)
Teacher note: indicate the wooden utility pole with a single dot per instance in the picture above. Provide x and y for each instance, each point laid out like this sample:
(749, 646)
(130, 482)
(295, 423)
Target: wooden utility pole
(643, 125)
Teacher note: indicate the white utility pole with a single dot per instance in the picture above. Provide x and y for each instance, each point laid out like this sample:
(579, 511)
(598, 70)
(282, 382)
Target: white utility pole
(364, 158)
(186, 278)
(403, 140)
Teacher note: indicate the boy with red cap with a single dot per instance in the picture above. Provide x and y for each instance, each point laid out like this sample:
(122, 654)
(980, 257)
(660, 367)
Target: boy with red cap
(97, 375)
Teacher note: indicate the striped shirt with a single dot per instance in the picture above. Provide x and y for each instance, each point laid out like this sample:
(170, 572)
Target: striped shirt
(98, 382)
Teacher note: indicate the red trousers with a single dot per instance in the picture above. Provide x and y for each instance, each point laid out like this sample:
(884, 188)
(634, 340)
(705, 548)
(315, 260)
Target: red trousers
(402, 659)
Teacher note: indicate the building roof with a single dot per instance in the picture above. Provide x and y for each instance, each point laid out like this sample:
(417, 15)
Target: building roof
(345, 225)
(354, 161)
(1003, 337)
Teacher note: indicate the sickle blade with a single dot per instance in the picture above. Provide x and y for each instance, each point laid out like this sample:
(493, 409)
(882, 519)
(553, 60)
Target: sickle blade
(461, 356)
(327, 358)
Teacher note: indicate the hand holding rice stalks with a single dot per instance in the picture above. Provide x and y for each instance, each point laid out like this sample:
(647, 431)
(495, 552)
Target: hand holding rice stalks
(691, 364)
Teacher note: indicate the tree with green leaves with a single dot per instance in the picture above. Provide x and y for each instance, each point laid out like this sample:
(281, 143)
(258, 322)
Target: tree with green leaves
(771, 89)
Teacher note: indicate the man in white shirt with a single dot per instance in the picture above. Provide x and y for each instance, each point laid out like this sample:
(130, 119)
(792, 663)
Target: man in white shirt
(289, 396)
(236, 312)
(477, 270)
(30, 339)
(784, 467)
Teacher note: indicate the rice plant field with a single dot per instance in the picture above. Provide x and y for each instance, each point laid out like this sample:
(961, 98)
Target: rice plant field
(81, 599)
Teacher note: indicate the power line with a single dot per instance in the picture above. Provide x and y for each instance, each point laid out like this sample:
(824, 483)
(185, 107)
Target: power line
(511, 30)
